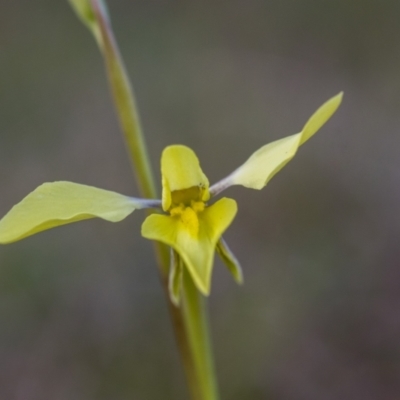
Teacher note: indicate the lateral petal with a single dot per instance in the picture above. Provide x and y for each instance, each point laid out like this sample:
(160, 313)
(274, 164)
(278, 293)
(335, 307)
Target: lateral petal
(59, 203)
(196, 251)
(262, 165)
(175, 278)
(230, 261)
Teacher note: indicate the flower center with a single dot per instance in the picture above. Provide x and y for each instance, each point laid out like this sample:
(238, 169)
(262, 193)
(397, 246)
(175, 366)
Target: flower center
(187, 196)
(188, 215)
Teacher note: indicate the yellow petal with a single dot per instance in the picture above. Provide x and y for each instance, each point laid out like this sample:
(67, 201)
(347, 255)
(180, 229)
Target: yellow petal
(175, 278)
(196, 251)
(59, 203)
(180, 169)
(230, 261)
(258, 170)
(320, 117)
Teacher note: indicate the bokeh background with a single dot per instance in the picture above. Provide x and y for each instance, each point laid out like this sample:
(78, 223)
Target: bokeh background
(82, 313)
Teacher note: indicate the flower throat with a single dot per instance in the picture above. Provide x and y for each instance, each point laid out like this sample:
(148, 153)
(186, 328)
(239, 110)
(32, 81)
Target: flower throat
(186, 205)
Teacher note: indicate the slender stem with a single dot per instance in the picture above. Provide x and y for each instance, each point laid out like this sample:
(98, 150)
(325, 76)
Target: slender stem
(189, 321)
(126, 106)
(196, 320)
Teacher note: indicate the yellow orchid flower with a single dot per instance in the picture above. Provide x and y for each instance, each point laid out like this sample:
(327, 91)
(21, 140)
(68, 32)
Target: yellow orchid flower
(190, 225)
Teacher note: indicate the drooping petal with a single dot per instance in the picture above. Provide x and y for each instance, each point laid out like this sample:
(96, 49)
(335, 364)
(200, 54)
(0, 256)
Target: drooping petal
(59, 203)
(262, 165)
(196, 251)
(175, 278)
(230, 260)
(180, 169)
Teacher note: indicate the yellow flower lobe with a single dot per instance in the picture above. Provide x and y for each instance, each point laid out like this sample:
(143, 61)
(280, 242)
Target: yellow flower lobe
(182, 178)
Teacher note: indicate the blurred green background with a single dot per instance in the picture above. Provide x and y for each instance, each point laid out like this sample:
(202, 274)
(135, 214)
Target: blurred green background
(82, 313)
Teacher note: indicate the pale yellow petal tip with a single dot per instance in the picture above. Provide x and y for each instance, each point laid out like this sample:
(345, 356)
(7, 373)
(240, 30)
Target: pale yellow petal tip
(320, 117)
(204, 287)
(339, 95)
(336, 101)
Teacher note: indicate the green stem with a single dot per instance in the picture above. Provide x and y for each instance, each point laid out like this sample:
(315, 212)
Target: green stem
(196, 321)
(189, 321)
(126, 107)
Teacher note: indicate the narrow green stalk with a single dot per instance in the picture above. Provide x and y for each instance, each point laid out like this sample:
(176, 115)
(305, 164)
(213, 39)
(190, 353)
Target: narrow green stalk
(189, 321)
(196, 320)
(126, 106)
